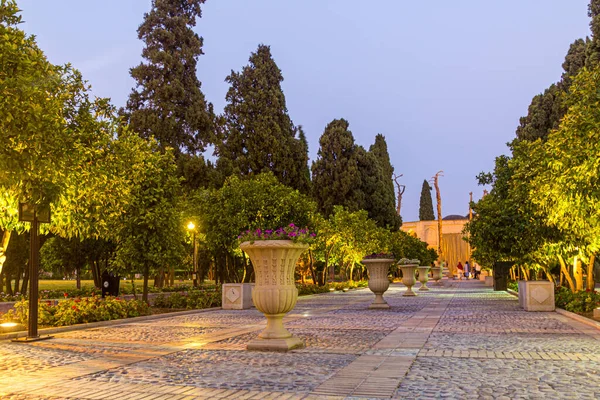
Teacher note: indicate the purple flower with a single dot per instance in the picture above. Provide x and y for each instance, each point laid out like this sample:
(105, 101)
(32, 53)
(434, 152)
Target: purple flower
(313, 234)
(292, 234)
(292, 226)
(268, 231)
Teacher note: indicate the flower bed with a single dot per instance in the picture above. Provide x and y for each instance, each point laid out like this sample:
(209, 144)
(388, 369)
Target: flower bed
(79, 311)
(191, 300)
(89, 291)
(582, 302)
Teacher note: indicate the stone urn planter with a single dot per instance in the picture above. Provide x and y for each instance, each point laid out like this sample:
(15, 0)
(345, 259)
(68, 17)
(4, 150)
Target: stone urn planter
(378, 269)
(436, 275)
(423, 277)
(275, 292)
(408, 277)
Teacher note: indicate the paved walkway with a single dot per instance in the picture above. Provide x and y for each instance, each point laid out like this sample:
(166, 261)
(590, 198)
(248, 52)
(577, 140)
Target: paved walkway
(460, 341)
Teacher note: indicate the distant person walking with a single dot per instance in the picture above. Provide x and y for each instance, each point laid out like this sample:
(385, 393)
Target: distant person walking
(477, 270)
(461, 270)
(467, 270)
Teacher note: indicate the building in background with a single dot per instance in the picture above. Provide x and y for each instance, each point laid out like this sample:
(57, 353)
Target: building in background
(454, 247)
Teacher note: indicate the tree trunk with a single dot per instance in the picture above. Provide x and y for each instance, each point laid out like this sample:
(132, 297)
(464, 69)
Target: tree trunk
(566, 273)
(590, 283)
(96, 274)
(133, 291)
(78, 273)
(25, 282)
(172, 276)
(578, 273)
(146, 276)
(561, 279)
(3, 246)
(549, 275)
(312, 267)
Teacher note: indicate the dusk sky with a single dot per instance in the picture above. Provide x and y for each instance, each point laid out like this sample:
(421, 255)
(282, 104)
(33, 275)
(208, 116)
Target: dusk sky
(444, 81)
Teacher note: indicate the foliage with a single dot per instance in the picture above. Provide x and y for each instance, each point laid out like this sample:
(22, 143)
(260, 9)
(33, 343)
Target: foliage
(308, 289)
(191, 299)
(335, 174)
(257, 133)
(381, 203)
(167, 102)
(259, 202)
(404, 245)
(290, 232)
(79, 311)
(345, 238)
(577, 302)
(151, 233)
(426, 203)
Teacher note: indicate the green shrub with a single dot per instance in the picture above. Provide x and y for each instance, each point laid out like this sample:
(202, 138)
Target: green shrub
(78, 311)
(192, 300)
(577, 302)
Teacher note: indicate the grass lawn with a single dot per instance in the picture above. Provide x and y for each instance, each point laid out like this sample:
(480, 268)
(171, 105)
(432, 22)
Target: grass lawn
(56, 284)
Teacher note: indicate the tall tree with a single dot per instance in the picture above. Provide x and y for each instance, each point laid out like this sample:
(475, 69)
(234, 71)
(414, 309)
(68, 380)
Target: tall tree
(167, 102)
(426, 203)
(257, 132)
(593, 48)
(336, 175)
(381, 202)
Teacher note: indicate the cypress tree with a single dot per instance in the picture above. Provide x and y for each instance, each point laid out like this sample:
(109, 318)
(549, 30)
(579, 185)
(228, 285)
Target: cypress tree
(547, 109)
(381, 203)
(336, 178)
(426, 203)
(167, 102)
(593, 48)
(258, 134)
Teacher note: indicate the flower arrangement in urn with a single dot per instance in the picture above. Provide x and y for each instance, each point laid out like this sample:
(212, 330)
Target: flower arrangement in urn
(406, 261)
(385, 256)
(290, 232)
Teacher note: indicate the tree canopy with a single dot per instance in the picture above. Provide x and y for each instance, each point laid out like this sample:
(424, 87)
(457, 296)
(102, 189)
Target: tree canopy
(257, 134)
(167, 102)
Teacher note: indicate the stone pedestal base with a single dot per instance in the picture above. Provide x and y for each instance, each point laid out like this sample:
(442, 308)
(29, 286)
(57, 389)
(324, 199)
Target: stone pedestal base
(287, 344)
(379, 306)
(597, 312)
(536, 295)
(489, 281)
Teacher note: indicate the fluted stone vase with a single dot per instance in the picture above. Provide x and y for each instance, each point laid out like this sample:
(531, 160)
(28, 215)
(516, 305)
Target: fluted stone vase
(408, 278)
(379, 283)
(436, 273)
(275, 291)
(423, 277)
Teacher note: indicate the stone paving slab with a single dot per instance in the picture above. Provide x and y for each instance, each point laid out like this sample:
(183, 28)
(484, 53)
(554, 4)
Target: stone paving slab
(460, 340)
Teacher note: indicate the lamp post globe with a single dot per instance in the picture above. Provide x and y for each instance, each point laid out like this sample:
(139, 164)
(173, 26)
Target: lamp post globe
(192, 227)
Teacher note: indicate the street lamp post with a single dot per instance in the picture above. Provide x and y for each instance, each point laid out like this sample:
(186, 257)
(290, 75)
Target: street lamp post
(192, 228)
(35, 215)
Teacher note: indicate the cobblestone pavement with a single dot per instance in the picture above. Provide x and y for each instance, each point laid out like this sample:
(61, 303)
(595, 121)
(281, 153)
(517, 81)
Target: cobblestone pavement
(457, 341)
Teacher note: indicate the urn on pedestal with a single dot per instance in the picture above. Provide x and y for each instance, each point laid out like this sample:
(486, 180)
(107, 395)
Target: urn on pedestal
(275, 292)
(423, 276)
(408, 268)
(436, 273)
(379, 283)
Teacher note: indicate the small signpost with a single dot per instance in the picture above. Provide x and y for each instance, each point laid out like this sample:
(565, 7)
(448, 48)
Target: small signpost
(35, 215)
